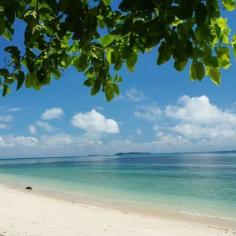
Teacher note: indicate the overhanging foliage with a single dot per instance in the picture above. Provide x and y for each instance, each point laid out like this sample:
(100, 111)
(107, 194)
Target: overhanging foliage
(97, 40)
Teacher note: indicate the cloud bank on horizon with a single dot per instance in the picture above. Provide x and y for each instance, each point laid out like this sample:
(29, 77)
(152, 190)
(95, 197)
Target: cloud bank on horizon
(191, 124)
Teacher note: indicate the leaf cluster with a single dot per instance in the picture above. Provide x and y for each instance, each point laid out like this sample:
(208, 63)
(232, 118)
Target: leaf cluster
(98, 40)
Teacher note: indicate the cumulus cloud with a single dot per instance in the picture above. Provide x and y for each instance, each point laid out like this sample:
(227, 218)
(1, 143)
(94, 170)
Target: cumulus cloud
(94, 121)
(47, 115)
(40, 125)
(134, 95)
(149, 112)
(199, 110)
(53, 113)
(191, 124)
(199, 122)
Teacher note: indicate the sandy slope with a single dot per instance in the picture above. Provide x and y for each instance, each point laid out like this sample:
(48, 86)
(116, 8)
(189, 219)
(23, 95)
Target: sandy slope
(25, 213)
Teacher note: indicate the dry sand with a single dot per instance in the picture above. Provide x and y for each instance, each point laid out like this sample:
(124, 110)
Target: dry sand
(29, 213)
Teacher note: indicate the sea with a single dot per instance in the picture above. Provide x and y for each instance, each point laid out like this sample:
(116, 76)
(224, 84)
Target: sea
(195, 183)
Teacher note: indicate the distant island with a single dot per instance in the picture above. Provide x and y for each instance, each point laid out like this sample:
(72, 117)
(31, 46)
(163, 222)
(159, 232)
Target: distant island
(131, 153)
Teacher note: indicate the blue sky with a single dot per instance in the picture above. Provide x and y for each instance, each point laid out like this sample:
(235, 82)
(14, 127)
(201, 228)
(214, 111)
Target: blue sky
(159, 110)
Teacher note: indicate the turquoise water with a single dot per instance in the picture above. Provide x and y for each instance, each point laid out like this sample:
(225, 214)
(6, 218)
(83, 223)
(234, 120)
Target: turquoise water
(202, 183)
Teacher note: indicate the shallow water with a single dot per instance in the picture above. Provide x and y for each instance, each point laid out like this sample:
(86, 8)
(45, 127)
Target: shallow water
(199, 183)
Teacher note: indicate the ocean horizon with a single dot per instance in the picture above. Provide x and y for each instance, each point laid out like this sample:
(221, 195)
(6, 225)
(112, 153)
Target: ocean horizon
(194, 183)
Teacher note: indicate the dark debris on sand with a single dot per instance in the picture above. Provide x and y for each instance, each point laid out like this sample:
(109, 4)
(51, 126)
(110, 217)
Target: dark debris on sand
(28, 188)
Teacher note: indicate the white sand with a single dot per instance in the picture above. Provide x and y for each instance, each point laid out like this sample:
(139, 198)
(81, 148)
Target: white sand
(27, 213)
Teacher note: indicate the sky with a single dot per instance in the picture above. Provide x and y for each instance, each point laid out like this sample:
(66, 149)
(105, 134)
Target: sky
(159, 110)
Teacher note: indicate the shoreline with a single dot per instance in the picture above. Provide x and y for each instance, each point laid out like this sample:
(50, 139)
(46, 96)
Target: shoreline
(117, 204)
(184, 220)
(124, 206)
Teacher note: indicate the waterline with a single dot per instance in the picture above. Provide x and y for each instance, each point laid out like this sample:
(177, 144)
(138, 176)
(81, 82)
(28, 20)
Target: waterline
(194, 183)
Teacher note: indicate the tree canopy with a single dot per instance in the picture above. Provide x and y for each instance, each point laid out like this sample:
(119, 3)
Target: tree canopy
(98, 38)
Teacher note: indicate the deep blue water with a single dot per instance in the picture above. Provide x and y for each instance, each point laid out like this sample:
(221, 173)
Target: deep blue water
(201, 183)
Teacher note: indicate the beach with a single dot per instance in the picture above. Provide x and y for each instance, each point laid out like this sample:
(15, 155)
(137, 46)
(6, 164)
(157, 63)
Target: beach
(24, 212)
(143, 195)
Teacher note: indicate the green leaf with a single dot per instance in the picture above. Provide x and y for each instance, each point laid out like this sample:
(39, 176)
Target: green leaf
(9, 80)
(234, 44)
(4, 72)
(118, 64)
(89, 82)
(164, 53)
(7, 35)
(201, 13)
(2, 25)
(116, 89)
(220, 31)
(109, 56)
(6, 90)
(66, 61)
(211, 61)
(81, 62)
(109, 93)
(229, 4)
(223, 57)
(36, 85)
(108, 39)
(214, 74)
(100, 17)
(126, 51)
(20, 79)
(131, 61)
(13, 50)
(180, 65)
(96, 87)
(29, 81)
(107, 2)
(197, 70)
(56, 73)
(128, 5)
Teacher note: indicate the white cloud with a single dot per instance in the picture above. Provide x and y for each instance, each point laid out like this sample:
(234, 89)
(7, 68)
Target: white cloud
(199, 122)
(65, 144)
(14, 109)
(16, 141)
(195, 131)
(6, 121)
(199, 110)
(58, 139)
(50, 145)
(134, 95)
(197, 118)
(49, 114)
(5, 126)
(33, 129)
(53, 113)
(171, 142)
(94, 121)
(139, 132)
(192, 124)
(40, 125)
(149, 112)
(6, 118)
